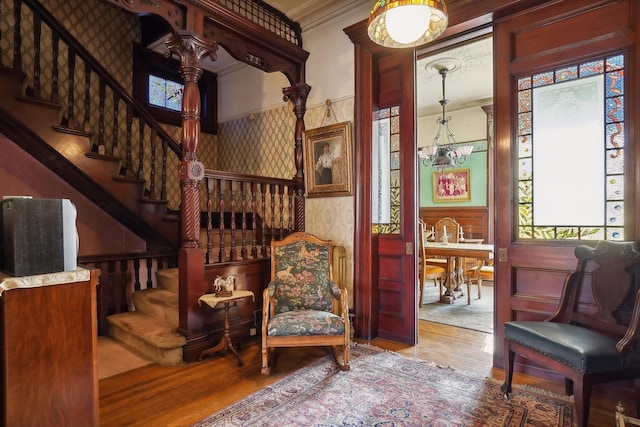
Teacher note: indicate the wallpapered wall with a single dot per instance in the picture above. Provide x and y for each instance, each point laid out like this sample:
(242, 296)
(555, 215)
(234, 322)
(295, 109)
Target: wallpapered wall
(263, 144)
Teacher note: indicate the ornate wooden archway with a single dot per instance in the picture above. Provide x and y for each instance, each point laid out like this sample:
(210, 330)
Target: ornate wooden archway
(254, 33)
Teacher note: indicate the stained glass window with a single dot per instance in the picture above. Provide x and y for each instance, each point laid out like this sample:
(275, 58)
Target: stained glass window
(571, 152)
(386, 171)
(165, 93)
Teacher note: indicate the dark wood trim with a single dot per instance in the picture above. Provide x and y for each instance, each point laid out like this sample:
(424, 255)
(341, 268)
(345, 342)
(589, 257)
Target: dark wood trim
(475, 221)
(147, 62)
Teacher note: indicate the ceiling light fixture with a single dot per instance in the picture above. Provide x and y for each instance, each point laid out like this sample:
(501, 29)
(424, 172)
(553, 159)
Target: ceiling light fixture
(407, 23)
(444, 155)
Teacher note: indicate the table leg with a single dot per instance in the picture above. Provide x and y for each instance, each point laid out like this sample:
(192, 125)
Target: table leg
(225, 343)
(460, 275)
(450, 283)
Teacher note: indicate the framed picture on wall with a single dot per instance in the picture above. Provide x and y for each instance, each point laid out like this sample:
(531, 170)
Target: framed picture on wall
(451, 185)
(327, 160)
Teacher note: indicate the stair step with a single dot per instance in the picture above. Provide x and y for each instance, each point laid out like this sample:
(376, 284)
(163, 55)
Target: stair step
(168, 279)
(155, 339)
(158, 303)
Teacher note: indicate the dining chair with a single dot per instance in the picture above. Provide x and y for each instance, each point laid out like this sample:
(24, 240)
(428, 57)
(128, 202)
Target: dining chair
(426, 272)
(476, 275)
(451, 227)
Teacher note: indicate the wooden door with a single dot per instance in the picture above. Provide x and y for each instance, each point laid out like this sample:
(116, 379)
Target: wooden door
(385, 272)
(394, 223)
(529, 269)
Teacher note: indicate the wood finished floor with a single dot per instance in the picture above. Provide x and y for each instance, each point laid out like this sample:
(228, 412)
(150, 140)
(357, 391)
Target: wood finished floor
(182, 395)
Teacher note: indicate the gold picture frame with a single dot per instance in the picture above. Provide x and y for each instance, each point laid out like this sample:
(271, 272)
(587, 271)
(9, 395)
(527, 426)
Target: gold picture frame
(328, 160)
(451, 186)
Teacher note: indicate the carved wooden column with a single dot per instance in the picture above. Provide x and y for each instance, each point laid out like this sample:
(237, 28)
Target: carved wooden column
(298, 95)
(192, 50)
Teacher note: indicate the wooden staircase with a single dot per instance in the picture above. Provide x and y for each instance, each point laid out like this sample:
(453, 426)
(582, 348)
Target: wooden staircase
(33, 124)
(151, 328)
(105, 144)
(90, 130)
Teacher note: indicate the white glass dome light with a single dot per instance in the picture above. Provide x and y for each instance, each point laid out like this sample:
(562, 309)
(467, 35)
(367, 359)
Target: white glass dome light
(406, 23)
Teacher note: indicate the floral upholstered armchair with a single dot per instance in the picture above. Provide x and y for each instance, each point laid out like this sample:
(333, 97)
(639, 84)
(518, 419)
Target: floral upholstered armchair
(302, 305)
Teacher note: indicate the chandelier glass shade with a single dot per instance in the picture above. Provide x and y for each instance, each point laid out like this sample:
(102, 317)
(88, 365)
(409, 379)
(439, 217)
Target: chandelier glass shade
(444, 154)
(406, 23)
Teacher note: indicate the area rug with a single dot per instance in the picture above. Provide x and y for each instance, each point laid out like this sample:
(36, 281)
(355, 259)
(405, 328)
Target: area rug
(477, 316)
(385, 389)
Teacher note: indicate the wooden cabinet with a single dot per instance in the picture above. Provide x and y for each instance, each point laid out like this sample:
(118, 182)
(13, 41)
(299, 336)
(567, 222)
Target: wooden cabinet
(48, 350)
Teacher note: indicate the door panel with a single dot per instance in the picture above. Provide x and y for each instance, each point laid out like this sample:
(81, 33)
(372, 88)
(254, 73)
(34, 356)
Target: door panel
(396, 241)
(530, 273)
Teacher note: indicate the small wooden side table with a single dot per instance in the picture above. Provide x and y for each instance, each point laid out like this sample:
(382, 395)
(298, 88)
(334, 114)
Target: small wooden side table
(225, 343)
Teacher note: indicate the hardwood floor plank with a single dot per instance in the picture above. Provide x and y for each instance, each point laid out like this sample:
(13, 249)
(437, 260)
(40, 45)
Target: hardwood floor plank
(182, 395)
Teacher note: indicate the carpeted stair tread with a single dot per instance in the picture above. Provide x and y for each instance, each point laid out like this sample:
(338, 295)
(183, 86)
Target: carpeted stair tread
(168, 279)
(150, 336)
(158, 303)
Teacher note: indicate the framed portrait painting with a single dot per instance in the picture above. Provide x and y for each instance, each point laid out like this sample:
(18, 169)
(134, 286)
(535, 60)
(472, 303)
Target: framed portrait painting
(328, 160)
(451, 186)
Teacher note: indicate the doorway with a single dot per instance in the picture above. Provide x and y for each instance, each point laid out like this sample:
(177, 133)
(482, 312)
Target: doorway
(463, 100)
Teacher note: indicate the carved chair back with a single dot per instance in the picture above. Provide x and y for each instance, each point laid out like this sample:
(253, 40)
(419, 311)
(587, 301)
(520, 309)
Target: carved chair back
(601, 293)
(452, 229)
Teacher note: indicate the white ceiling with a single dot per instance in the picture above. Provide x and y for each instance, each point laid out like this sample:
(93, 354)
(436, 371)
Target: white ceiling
(471, 84)
(468, 84)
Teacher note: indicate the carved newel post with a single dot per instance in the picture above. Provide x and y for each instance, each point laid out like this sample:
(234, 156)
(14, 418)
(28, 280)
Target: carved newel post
(298, 95)
(192, 50)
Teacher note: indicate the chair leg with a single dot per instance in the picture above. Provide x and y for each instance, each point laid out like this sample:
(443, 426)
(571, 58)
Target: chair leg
(480, 288)
(636, 383)
(266, 356)
(568, 386)
(509, 357)
(581, 397)
(421, 284)
(345, 365)
(468, 291)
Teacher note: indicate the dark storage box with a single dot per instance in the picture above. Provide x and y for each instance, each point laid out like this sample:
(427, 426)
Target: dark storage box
(38, 236)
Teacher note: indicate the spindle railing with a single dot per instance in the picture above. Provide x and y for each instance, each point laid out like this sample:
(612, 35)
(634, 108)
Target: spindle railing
(254, 209)
(106, 111)
(241, 214)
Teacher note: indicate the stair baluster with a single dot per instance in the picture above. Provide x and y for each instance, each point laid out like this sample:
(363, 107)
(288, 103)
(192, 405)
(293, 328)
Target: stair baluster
(17, 35)
(233, 256)
(55, 90)
(222, 257)
(37, 31)
(71, 66)
(86, 126)
(115, 128)
(243, 206)
(140, 174)
(98, 146)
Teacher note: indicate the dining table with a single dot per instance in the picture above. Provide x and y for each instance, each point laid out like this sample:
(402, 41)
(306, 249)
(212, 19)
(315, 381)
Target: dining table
(456, 253)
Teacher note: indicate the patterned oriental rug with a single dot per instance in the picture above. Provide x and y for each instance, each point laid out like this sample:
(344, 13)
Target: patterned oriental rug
(477, 316)
(385, 389)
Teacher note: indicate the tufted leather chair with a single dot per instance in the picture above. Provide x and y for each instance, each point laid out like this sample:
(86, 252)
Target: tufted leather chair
(593, 335)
